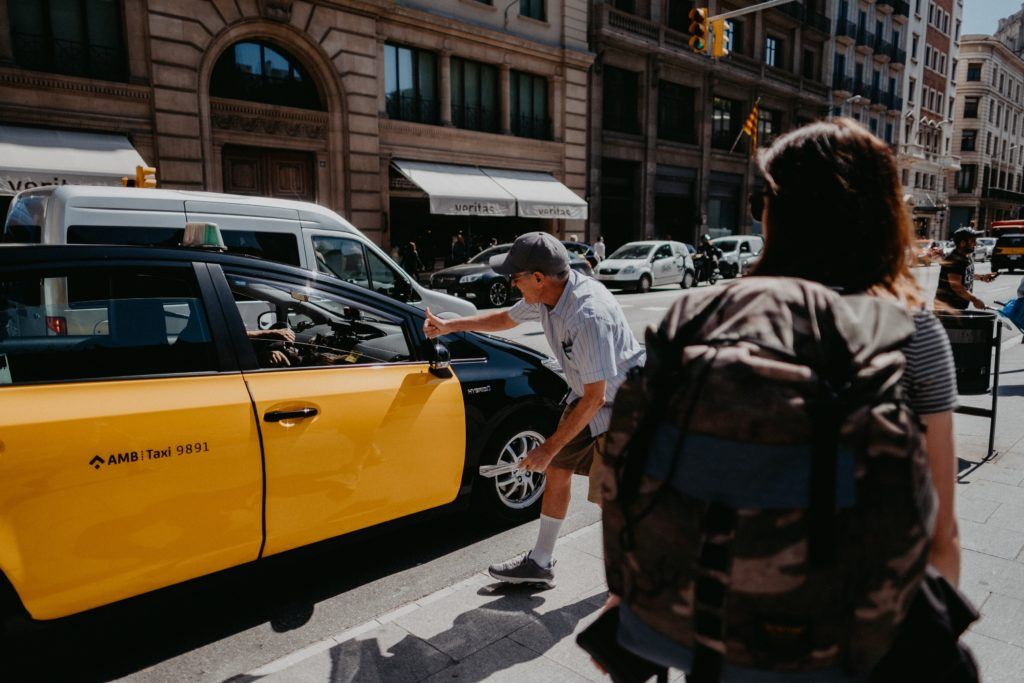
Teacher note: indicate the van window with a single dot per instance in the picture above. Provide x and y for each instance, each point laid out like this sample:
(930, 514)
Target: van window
(25, 220)
(386, 280)
(141, 322)
(343, 257)
(272, 246)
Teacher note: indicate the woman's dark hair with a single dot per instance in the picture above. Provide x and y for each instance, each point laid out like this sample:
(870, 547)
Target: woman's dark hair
(835, 211)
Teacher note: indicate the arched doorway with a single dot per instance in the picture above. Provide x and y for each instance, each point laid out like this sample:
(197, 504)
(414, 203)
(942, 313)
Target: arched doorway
(269, 122)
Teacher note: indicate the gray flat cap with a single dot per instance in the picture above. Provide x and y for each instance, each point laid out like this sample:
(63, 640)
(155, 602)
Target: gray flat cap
(534, 252)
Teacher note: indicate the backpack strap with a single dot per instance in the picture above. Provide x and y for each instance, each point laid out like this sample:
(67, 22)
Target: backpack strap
(711, 586)
(821, 542)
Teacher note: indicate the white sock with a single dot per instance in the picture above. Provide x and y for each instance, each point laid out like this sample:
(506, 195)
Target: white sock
(546, 537)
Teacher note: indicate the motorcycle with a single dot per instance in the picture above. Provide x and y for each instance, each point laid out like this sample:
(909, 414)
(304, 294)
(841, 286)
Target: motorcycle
(707, 268)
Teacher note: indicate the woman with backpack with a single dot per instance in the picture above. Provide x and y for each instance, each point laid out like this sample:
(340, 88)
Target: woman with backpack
(735, 556)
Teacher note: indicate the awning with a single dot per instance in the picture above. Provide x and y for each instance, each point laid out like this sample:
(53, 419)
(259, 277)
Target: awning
(31, 157)
(539, 195)
(458, 190)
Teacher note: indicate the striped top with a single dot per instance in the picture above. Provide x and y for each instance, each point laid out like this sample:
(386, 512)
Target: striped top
(591, 340)
(930, 378)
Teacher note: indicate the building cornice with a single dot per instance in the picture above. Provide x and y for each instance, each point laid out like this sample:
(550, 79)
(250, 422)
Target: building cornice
(87, 86)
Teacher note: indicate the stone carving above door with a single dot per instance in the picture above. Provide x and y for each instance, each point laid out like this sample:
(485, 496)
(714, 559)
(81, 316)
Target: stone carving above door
(277, 10)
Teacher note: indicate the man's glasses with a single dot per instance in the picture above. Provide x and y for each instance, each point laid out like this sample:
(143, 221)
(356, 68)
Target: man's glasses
(517, 277)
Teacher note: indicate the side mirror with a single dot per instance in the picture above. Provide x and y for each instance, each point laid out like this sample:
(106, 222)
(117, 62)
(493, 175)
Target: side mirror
(441, 361)
(266, 319)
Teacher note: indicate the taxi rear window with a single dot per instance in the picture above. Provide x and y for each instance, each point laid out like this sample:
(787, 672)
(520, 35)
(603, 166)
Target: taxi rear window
(139, 322)
(1011, 241)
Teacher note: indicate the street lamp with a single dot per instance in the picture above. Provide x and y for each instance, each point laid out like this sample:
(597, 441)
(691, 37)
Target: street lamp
(849, 100)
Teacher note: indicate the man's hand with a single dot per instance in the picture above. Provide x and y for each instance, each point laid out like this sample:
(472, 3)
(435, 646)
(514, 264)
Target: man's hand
(987, 277)
(978, 303)
(277, 334)
(538, 459)
(434, 327)
(277, 359)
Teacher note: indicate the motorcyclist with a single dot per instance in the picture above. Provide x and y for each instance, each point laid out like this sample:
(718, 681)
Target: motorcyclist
(709, 255)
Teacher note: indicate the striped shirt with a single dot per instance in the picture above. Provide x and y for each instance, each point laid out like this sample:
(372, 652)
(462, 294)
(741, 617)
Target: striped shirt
(929, 379)
(591, 340)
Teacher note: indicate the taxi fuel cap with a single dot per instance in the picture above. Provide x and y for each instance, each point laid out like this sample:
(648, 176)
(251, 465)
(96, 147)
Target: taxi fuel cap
(203, 236)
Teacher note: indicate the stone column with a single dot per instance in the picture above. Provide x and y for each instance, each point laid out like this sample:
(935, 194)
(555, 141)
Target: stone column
(445, 86)
(556, 107)
(504, 106)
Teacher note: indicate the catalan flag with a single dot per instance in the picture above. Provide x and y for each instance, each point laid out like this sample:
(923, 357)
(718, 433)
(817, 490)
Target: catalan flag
(750, 127)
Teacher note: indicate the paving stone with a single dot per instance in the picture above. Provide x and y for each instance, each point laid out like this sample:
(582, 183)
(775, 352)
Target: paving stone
(999, 662)
(1005, 577)
(1002, 618)
(990, 490)
(1008, 516)
(975, 509)
(506, 662)
(590, 541)
(554, 636)
(384, 655)
(1011, 460)
(990, 539)
(991, 471)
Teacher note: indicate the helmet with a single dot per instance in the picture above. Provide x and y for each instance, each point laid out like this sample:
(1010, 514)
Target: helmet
(705, 238)
(961, 234)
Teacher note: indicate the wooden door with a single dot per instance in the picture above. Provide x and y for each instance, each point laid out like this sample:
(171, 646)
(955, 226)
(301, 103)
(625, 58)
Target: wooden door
(269, 173)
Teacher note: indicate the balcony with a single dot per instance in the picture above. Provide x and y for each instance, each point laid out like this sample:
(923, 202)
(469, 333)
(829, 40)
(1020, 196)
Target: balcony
(883, 49)
(630, 23)
(842, 84)
(865, 39)
(901, 8)
(1008, 195)
(536, 127)
(846, 31)
(42, 53)
(484, 119)
(411, 108)
(896, 55)
(795, 10)
(818, 22)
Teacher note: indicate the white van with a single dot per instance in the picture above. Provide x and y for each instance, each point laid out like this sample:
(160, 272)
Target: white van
(298, 233)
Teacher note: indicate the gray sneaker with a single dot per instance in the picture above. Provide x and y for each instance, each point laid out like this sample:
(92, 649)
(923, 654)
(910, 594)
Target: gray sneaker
(523, 569)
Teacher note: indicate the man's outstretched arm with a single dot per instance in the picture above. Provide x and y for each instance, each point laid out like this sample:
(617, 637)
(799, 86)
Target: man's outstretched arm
(496, 321)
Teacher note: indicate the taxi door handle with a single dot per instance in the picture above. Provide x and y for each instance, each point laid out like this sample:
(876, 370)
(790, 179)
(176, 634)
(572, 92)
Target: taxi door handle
(279, 415)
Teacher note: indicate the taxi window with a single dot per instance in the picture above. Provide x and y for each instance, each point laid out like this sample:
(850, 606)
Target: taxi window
(291, 326)
(139, 322)
(272, 246)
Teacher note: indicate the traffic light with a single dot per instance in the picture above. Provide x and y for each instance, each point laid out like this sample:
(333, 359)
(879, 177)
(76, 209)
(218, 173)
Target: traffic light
(145, 176)
(721, 32)
(699, 30)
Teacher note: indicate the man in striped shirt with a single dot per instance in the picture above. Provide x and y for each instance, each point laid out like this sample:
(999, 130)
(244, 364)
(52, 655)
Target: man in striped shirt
(593, 344)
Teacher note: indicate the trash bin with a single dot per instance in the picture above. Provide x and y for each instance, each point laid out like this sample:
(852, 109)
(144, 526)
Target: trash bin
(970, 334)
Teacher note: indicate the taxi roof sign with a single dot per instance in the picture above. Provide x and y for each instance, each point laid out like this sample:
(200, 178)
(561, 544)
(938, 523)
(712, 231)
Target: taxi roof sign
(203, 236)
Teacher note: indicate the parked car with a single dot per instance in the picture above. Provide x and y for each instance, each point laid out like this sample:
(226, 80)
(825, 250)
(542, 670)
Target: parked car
(584, 250)
(183, 434)
(296, 233)
(1008, 253)
(946, 247)
(983, 249)
(736, 250)
(650, 263)
(475, 279)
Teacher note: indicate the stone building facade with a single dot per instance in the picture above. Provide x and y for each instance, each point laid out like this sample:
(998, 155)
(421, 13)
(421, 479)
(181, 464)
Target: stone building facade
(664, 120)
(988, 130)
(926, 155)
(314, 100)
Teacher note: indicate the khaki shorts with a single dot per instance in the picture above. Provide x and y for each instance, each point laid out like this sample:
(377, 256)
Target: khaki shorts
(583, 455)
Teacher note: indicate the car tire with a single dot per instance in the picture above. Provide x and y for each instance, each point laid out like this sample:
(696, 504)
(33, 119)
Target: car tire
(643, 285)
(497, 293)
(515, 497)
(687, 280)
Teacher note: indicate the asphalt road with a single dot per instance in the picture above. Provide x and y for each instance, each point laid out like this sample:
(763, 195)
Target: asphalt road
(224, 625)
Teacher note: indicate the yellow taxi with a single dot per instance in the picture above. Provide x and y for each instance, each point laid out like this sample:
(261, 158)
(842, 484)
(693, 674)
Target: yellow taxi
(168, 413)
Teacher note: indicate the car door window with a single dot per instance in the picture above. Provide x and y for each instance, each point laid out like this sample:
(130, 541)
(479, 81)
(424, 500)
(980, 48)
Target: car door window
(120, 322)
(291, 326)
(664, 251)
(745, 247)
(388, 281)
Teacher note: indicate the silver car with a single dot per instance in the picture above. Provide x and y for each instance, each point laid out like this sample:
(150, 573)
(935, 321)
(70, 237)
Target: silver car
(983, 249)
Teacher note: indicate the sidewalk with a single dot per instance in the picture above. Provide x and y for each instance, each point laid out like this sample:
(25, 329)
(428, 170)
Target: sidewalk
(478, 630)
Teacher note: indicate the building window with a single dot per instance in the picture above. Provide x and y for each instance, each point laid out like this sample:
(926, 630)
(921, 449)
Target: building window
(911, 90)
(676, 112)
(769, 126)
(73, 37)
(809, 71)
(258, 72)
(771, 51)
(410, 84)
(913, 46)
(534, 9)
(974, 72)
(725, 122)
(621, 100)
(888, 132)
(906, 177)
(528, 101)
(679, 14)
(968, 140)
(971, 107)
(474, 95)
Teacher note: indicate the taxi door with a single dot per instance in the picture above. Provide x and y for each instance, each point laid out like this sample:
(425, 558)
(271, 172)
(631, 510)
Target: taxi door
(129, 457)
(356, 428)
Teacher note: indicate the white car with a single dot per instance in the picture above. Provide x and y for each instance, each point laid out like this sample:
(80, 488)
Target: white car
(642, 265)
(301, 234)
(736, 251)
(983, 249)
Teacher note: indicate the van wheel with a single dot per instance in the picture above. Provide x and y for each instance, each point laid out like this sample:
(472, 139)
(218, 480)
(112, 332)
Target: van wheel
(644, 284)
(497, 293)
(513, 497)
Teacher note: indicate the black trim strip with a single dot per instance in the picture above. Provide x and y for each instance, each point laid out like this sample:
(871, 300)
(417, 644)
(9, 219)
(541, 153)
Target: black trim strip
(215, 316)
(263, 470)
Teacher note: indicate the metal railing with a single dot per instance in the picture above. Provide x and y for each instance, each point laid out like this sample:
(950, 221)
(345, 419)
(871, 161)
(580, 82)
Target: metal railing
(818, 21)
(43, 53)
(632, 23)
(723, 139)
(527, 126)
(845, 27)
(843, 83)
(883, 47)
(411, 108)
(467, 117)
(865, 37)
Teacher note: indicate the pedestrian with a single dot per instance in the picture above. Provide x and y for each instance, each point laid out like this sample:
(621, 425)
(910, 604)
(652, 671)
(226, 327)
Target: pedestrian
(599, 250)
(955, 291)
(731, 571)
(593, 344)
(459, 253)
(411, 262)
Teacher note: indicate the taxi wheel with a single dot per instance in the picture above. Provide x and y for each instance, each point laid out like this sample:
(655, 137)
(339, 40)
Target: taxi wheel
(515, 496)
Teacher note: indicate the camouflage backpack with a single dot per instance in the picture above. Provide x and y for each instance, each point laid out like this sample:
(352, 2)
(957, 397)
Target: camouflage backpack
(767, 500)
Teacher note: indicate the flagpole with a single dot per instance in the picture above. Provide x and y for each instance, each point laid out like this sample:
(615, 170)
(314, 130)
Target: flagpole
(737, 140)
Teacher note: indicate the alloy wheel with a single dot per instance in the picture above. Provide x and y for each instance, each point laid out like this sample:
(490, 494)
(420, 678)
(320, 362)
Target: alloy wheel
(519, 489)
(497, 293)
